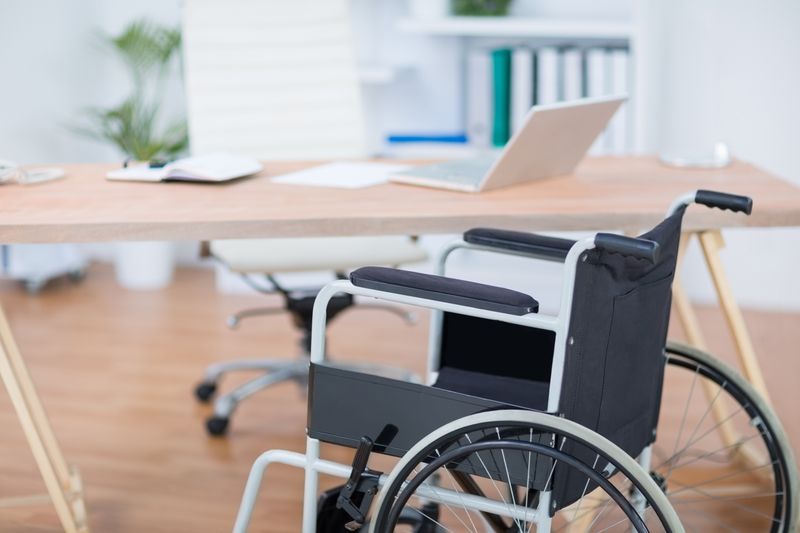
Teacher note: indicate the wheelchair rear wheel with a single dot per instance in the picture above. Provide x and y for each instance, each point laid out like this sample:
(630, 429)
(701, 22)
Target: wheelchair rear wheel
(720, 453)
(489, 472)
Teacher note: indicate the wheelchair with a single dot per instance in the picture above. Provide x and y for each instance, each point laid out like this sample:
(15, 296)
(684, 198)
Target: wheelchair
(586, 420)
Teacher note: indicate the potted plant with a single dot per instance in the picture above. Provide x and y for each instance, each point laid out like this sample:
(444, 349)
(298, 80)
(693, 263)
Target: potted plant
(138, 128)
(481, 8)
(135, 126)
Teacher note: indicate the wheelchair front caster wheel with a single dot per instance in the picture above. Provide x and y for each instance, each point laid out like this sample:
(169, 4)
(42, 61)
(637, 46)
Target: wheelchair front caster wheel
(217, 426)
(204, 391)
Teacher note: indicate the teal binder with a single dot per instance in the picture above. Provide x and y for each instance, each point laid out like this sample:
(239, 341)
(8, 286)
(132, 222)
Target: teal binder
(501, 96)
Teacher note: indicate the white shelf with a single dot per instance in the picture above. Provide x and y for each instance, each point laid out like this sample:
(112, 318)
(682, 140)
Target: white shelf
(377, 74)
(518, 27)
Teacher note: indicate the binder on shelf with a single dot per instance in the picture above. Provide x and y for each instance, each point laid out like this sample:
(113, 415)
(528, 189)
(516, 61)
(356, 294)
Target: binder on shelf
(479, 98)
(547, 75)
(619, 128)
(598, 83)
(501, 95)
(572, 74)
(522, 85)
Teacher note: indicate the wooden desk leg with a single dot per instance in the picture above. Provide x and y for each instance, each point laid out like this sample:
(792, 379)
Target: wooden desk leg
(63, 486)
(711, 242)
(691, 326)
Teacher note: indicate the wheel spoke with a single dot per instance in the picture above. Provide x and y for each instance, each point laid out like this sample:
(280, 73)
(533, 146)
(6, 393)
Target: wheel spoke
(743, 507)
(510, 485)
(431, 519)
(585, 487)
(685, 412)
(464, 505)
(718, 478)
(499, 492)
(432, 487)
(528, 480)
(713, 519)
(680, 501)
(737, 444)
(615, 524)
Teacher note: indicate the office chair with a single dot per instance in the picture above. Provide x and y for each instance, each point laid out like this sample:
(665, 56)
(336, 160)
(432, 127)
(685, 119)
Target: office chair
(536, 422)
(264, 257)
(278, 80)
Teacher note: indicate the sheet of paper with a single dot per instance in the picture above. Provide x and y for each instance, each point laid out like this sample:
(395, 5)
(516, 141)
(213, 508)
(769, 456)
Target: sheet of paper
(342, 175)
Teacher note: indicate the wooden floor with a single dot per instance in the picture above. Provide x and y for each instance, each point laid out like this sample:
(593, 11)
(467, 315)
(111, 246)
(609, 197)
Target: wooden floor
(116, 369)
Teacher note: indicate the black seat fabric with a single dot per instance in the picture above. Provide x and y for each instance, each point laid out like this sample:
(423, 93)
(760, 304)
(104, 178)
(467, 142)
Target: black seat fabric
(514, 391)
(496, 348)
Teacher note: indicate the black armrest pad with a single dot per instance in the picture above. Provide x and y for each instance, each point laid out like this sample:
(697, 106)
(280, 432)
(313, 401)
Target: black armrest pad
(518, 241)
(442, 289)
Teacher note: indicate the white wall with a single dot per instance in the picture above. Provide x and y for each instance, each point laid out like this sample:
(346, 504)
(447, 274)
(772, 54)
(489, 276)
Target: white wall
(53, 66)
(730, 70)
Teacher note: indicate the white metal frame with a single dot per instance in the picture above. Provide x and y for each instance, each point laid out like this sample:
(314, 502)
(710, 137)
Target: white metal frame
(558, 323)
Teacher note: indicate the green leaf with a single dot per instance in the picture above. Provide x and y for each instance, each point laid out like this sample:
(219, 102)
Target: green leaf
(147, 49)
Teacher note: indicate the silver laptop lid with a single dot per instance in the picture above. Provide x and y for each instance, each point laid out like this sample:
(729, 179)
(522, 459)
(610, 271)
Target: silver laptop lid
(552, 140)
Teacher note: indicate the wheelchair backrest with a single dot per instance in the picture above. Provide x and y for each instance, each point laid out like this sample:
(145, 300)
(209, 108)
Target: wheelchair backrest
(614, 364)
(614, 360)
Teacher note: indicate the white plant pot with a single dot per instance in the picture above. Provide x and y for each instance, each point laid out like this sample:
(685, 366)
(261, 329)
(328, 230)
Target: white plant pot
(429, 9)
(144, 265)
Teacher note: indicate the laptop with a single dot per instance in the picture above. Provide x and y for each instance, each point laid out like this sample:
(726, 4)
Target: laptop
(551, 142)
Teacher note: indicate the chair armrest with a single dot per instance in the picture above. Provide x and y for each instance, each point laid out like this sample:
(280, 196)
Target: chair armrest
(551, 248)
(442, 289)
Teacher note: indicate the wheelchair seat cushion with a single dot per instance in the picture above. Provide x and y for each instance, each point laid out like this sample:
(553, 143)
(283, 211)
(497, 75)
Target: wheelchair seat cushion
(442, 289)
(513, 391)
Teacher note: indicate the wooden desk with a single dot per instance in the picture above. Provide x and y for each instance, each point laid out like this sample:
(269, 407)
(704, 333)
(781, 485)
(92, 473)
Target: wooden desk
(627, 193)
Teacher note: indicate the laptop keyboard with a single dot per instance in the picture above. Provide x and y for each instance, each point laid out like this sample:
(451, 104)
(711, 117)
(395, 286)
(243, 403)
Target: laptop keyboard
(468, 171)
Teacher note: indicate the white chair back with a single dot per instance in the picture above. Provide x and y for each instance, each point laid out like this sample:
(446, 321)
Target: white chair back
(272, 79)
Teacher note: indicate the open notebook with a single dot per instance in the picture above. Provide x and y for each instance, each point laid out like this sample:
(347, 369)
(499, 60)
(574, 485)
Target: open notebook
(212, 168)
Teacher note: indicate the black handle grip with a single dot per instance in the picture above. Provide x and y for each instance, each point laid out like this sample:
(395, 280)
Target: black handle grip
(722, 200)
(639, 248)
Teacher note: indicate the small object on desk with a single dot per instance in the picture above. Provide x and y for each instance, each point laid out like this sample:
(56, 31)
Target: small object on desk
(342, 175)
(10, 171)
(212, 168)
(720, 158)
(445, 138)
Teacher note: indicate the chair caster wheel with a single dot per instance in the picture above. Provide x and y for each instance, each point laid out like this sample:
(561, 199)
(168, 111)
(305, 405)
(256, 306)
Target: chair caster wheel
(205, 391)
(217, 425)
(34, 286)
(77, 275)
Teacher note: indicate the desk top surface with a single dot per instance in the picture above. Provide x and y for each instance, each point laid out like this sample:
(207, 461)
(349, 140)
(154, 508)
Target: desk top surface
(611, 193)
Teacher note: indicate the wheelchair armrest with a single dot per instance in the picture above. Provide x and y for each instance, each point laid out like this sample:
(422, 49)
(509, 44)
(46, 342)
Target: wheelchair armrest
(541, 246)
(442, 289)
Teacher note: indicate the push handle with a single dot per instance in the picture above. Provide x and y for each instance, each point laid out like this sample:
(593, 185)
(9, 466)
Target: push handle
(639, 248)
(722, 200)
